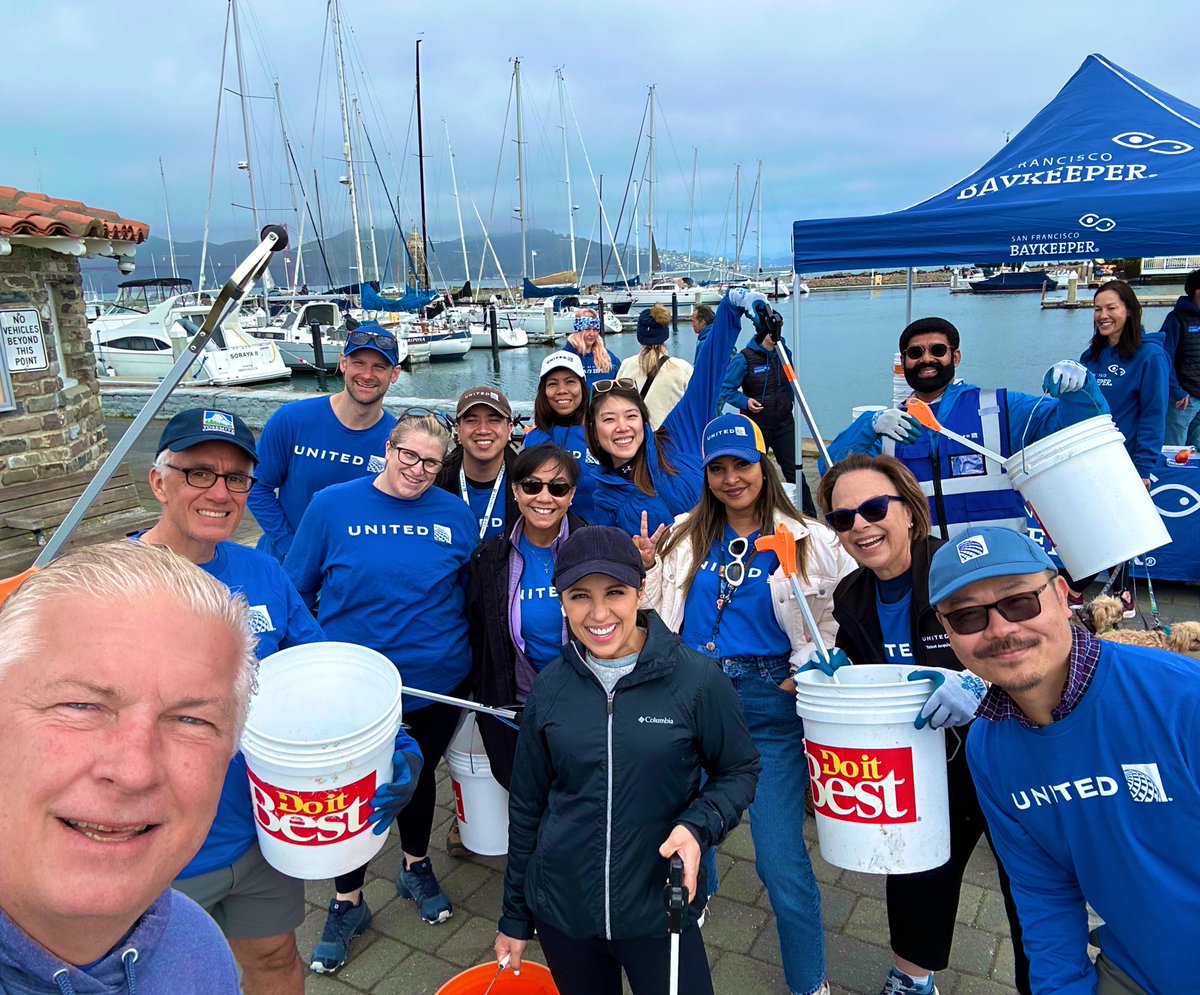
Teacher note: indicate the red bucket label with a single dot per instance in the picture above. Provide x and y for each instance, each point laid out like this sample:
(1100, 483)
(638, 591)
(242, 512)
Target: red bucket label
(865, 786)
(312, 818)
(458, 802)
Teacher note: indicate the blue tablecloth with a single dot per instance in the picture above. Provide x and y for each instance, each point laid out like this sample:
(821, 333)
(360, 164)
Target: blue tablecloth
(1175, 490)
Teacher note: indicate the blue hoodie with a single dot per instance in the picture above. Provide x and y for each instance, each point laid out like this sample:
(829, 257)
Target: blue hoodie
(617, 499)
(572, 438)
(1136, 391)
(1168, 338)
(175, 948)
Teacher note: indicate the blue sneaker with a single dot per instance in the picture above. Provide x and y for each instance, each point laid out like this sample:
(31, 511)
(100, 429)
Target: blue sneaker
(344, 923)
(419, 884)
(899, 983)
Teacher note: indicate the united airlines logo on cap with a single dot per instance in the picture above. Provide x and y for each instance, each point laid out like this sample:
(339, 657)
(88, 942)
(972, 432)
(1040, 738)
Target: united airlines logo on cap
(217, 421)
(971, 549)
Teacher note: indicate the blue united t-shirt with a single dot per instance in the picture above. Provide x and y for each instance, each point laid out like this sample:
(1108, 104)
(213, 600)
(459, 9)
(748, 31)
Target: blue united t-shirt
(541, 611)
(478, 498)
(573, 438)
(279, 619)
(748, 624)
(893, 604)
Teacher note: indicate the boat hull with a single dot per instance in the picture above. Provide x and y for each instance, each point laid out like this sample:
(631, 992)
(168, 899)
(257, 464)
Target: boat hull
(1014, 283)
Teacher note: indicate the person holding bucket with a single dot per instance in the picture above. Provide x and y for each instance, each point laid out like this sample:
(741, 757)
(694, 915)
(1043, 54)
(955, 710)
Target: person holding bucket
(514, 618)
(733, 603)
(962, 487)
(358, 546)
(1084, 759)
(658, 473)
(884, 616)
(606, 785)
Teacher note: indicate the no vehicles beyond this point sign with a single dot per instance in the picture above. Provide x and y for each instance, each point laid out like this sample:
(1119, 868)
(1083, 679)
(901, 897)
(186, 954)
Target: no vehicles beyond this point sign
(24, 344)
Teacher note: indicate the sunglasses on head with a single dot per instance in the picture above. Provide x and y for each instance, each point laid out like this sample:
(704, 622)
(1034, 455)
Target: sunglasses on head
(384, 340)
(557, 488)
(604, 386)
(872, 510)
(419, 412)
(937, 350)
(1015, 608)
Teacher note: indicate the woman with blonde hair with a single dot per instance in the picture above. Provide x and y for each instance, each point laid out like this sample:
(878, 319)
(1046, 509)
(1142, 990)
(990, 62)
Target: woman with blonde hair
(587, 342)
(661, 378)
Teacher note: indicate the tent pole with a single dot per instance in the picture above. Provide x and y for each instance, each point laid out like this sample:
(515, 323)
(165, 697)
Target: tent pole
(799, 456)
(908, 289)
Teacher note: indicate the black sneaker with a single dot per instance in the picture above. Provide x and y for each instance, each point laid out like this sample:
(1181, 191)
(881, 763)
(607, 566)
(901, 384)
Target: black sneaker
(344, 922)
(419, 884)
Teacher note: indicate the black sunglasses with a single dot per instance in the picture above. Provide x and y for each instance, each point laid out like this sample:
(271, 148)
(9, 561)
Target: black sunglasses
(1015, 608)
(382, 339)
(557, 488)
(419, 412)
(604, 386)
(872, 510)
(937, 350)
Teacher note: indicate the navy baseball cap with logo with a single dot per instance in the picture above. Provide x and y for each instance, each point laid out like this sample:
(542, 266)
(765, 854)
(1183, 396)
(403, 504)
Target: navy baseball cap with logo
(981, 554)
(732, 435)
(196, 425)
(598, 549)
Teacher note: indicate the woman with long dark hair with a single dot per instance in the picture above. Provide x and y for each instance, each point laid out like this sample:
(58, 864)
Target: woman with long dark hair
(558, 410)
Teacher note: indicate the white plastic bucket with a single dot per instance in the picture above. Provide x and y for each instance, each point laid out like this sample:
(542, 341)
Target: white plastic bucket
(318, 742)
(861, 409)
(1088, 495)
(878, 782)
(482, 805)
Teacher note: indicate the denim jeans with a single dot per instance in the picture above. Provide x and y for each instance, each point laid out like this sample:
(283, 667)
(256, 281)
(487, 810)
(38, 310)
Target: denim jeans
(777, 816)
(1183, 427)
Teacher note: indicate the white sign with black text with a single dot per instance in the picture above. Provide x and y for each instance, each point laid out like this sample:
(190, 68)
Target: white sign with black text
(24, 344)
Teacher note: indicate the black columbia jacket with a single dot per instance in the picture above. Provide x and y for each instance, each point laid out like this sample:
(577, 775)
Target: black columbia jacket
(600, 781)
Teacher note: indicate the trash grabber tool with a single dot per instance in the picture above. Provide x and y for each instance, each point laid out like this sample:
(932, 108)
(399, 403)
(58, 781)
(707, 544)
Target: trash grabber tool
(274, 238)
(445, 699)
(769, 322)
(783, 545)
(923, 413)
(675, 899)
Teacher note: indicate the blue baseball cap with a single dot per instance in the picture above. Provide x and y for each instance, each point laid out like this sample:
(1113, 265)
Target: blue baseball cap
(981, 554)
(196, 425)
(732, 435)
(372, 335)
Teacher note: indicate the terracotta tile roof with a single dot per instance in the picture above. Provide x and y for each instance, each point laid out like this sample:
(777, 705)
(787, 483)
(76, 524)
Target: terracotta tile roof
(25, 213)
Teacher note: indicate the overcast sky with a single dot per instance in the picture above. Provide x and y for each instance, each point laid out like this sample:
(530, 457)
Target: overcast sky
(854, 108)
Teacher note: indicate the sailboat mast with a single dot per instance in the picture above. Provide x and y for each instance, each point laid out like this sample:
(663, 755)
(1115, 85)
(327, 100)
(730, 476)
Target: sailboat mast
(462, 235)
(347, 145)
(167, 212)
(212, 169)
(650, 184)
(237, 51)
(421, 172)
(297, 278)
(562, 114)
(637, 230)
(520, 169)
(692, 207)
(367, 197)
(737, 218)
(758, 230)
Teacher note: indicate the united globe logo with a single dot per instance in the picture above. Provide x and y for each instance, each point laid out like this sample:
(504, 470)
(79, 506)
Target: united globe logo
(1144, 783)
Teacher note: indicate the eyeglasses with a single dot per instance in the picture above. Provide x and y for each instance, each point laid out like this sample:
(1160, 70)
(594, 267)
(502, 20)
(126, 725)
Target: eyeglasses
(1015, 608)
(557, 488)
(735, 572)
(409, 458)
(604, 386)
(384, 340)
(937, 350)
(202, 478)
(872, 510)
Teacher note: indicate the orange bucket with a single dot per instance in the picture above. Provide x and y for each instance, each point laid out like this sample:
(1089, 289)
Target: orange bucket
(534, 980)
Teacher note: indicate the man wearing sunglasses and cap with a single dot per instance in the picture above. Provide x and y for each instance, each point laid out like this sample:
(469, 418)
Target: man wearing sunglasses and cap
(478, 469)
(964, 489)
(309, 444)
(1085, 769)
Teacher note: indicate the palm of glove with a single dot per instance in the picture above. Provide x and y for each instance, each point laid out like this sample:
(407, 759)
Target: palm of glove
(390, 799)
(896, 424)
(815, 661)
(1063, 377)
(745, 299)
(955, 699)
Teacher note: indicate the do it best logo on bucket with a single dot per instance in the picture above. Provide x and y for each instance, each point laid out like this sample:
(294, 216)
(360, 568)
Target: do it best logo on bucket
(874, 786)
(312, 818)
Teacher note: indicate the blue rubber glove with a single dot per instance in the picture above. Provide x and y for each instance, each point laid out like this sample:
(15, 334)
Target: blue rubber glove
(389, 799)
(741, 297)
(896, 424)
(814, 661)
(1063, 377)
(955, 699)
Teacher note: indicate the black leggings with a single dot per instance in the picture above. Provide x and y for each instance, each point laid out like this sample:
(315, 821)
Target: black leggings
(432, 726)
(922, 907)
(593, 967)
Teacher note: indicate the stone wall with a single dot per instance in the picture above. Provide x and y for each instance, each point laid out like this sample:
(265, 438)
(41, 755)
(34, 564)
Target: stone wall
(55, 429)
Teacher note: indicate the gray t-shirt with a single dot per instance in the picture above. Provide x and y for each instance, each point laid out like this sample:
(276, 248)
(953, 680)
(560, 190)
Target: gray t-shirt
(608, 672)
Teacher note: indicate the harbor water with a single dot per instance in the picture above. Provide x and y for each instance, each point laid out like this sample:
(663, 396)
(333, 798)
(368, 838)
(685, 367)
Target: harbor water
(843, 348)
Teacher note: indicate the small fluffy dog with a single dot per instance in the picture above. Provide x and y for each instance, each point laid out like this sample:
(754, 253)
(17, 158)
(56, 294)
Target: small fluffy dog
(1104, 614)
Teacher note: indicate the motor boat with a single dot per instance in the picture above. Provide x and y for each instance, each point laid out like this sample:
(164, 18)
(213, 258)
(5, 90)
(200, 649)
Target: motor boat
(1024, 282)
(291, 330)
(685, 293)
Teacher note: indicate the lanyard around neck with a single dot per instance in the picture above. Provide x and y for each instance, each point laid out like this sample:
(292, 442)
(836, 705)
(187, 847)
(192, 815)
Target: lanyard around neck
(487, 515)
(726, 590)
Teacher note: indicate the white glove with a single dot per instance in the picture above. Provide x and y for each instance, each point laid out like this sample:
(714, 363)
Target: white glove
(741, 297)
(955, 699)
(896, 424)
(1063, 377)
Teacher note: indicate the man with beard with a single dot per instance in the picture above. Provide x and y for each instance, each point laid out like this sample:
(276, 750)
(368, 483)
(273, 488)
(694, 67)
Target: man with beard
(964, 489)
(308, 445)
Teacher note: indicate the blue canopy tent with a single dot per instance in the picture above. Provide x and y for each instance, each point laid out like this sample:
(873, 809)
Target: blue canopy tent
(1108, 169)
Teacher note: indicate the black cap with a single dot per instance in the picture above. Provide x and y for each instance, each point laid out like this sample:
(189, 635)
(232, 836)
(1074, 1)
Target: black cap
(196, 425)
(598, 549)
